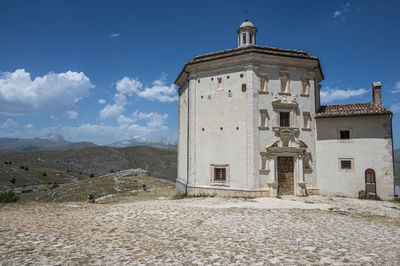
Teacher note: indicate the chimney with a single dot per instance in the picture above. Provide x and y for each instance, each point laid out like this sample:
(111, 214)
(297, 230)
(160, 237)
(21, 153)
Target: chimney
(377, 92)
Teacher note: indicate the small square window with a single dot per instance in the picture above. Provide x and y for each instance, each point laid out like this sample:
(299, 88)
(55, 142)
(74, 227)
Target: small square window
(227, 77)
(284, 119)
(241, 75)
(345, 164)
(198, 81)
(219, 174)
(243, 87)
(344, 134)
(212, 79)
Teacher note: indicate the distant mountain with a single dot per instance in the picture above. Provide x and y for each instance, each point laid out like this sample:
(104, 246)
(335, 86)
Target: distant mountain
(136, 141)
(397, 155)
(47, 142)
(53, 137)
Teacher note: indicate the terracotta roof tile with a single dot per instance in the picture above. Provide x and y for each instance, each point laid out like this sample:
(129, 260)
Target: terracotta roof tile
(353, 109)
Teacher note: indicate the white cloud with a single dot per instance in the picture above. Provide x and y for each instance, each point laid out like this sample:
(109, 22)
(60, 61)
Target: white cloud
(28, 126)
(71, 114)
(20, 95)
(113, 111)
(159, 91)
(129, 86)
(340, 15)
(337, 14)
(154, 119)
(124, 120)
(395, 108)
(396, 88)
(101, 101)
(8, 125)
(114, 35)
(331, 94)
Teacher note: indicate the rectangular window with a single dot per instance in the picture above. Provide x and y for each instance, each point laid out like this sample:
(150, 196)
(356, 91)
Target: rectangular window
(219, 174)
(243, 87)
(244, 38)
(284, 119)
(344, 134)
(345, 165)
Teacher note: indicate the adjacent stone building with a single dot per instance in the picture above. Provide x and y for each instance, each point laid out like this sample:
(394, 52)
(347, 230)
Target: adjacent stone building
(251, 124)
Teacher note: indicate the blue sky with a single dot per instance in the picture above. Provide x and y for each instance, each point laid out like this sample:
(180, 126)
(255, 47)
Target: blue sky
(103, 71)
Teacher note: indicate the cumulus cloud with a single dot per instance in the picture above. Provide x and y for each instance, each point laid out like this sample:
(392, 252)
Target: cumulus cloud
(395, 108)
(153, 119)
(331, 94)
(114, 35)
(113, 111)
(396, 88)
(159, 90)
(28, 126)
(129, 86)
(20, 95)
(125, 120)
(101, 101)
(71, 114)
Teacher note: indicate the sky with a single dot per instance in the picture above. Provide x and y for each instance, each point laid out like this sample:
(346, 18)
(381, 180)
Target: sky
(104, 71)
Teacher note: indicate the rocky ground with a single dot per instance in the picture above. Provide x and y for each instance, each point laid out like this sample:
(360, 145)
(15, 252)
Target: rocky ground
(312, 230)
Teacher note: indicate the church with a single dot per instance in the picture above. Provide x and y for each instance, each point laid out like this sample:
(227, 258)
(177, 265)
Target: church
(251, 125)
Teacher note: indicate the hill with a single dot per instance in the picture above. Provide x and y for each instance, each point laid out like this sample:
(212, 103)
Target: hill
(37, 144)
(62, 166)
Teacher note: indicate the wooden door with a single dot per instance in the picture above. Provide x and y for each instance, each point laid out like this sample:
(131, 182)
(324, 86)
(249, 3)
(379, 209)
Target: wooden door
(370, 182)
(285, 176)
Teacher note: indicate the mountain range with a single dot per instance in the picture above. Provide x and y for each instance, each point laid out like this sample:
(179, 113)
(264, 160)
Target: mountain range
(137, 141)
(56, 141)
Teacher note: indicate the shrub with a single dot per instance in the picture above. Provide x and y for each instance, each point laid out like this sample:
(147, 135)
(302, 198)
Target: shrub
(26, 168)
(55, 185)
(9, 163)
(7, 197)
(13, 180)
(91, 175)
(112, 171)
(22, 167)
(5, 162)
(44, 174)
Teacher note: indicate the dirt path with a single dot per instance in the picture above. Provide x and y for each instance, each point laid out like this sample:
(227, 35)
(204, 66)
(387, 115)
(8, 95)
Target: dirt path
(201, 231)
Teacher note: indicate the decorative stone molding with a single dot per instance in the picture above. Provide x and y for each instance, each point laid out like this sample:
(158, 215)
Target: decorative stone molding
(284, 103)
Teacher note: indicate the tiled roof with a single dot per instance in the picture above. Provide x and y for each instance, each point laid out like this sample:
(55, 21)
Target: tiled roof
(353, 109)
(250, 49)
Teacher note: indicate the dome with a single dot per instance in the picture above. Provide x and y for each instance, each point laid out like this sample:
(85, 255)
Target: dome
(246, 23)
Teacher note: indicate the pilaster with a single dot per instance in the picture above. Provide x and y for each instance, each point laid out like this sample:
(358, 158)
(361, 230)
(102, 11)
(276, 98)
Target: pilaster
(192, 126)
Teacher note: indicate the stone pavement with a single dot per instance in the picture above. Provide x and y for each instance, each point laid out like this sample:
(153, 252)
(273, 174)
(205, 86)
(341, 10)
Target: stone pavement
(202, 231)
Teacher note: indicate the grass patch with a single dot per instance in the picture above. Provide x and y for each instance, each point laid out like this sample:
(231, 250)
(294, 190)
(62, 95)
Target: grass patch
(178, 196)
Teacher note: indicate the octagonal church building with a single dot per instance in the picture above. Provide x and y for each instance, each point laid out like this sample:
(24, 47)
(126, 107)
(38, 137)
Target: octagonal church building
(251, 125)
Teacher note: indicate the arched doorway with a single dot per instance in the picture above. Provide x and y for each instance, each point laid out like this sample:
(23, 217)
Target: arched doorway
(370, 182)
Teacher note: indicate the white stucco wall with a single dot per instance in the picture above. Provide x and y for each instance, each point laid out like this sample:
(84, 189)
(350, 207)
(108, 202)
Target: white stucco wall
(182, 138)
(214, 110)
(370, 146)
